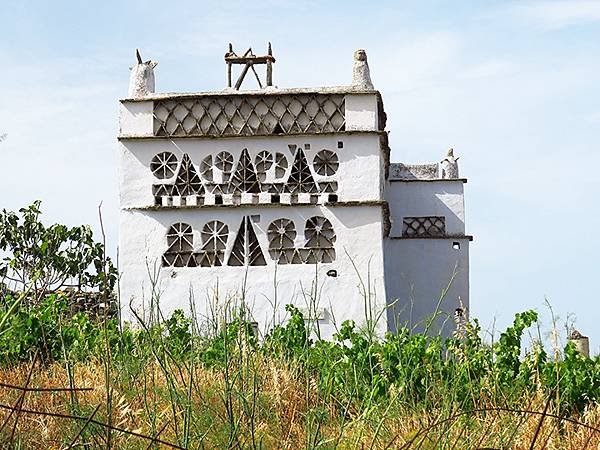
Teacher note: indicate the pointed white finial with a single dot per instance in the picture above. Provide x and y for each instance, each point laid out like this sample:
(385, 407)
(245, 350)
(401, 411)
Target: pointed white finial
(141, 80)
(449, 165)
(361, 76)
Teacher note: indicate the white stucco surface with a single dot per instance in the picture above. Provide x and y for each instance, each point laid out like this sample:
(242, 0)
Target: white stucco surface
(358, 176)
(136, 118)
(410, 274)
(427, 198)
(417, 271)
(359, 243)
(361, 112)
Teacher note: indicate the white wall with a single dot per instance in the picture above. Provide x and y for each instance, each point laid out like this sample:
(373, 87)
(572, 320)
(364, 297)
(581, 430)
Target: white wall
(358, 230)
(359, 176)
(361, 112)
(136, 118)
(416, 273)
(427, 198)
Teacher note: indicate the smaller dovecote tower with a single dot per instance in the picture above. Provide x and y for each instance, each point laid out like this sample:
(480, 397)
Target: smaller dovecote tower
(272, 196)
(427, 250)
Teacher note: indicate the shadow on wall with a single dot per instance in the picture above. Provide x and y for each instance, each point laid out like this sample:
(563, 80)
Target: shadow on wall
(433, 199)
(427, 314)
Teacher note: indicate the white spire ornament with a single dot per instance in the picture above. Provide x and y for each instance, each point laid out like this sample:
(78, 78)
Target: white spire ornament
(449, 165)
(141, 80)
(361, 77)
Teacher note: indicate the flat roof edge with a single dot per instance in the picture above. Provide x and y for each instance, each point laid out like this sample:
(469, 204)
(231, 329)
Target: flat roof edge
(257, 92)
(425, 180)
(447, 237)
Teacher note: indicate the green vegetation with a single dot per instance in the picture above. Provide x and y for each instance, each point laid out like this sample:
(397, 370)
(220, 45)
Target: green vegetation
(224, 386)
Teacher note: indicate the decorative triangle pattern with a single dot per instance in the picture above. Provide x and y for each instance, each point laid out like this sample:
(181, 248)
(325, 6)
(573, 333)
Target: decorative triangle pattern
(244, 178)
(301, 179)
(246, 249)
(187, 182)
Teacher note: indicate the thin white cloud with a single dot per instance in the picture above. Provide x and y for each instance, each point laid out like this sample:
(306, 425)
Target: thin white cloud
(559, 14)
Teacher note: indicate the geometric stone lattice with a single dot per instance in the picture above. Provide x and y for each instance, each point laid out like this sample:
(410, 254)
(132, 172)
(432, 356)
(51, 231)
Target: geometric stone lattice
(188, 182)
(244, 178)
(225, 179)
(247, 115)
(246, 250)
(300, 179)
(281, 234)
(214, 238)
(206, 168)
(224, 162)
(320, 238)
(180, 246)
(430, 226)
(164, 165)
(326, 162)
(263, 162)
(281, 165)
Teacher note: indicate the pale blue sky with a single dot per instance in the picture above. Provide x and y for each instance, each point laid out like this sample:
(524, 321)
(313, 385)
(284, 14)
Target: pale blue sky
(514, 87)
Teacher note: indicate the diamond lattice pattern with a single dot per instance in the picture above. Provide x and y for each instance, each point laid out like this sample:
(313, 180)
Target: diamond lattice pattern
(430, 226)
(247, 115)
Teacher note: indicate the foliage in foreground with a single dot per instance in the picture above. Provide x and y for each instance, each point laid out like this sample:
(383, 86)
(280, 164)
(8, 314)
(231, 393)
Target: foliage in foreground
(230, 389)
(47, 258)
(420, 369)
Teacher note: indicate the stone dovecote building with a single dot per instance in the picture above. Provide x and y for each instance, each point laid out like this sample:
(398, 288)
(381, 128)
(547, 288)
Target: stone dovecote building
(284, 196)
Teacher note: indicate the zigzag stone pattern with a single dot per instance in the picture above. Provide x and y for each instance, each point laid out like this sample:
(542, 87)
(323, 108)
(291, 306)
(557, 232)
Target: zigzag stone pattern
(428, 226)
(221, 115)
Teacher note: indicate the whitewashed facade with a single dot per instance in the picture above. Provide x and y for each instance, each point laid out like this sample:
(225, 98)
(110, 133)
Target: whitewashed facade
(279, 196)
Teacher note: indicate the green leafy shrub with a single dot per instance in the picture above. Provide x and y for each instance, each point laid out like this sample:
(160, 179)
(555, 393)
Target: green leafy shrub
(48, 258)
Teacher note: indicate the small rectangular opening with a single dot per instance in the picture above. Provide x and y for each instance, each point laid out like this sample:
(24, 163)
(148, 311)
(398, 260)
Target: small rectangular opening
(340, 144)
(275, 198)
(333, 197)
(218, 199)
(456, 245)
(306, 146)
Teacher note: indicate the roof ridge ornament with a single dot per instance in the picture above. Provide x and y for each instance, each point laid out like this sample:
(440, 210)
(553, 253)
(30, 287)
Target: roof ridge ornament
(248, 60)
(449, 165)
(141, 79)
(361, 75)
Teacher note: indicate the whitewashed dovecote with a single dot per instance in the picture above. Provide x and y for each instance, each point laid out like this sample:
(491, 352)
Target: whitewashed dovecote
(276, 196)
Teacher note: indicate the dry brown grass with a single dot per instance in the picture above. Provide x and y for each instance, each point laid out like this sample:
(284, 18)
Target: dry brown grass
(272, 406)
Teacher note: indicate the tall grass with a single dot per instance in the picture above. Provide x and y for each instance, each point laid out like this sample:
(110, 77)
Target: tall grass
(218, 384)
